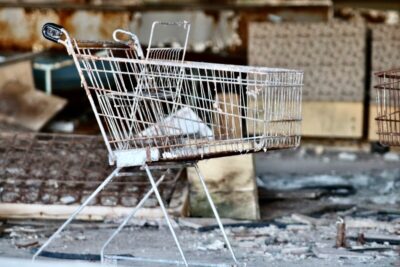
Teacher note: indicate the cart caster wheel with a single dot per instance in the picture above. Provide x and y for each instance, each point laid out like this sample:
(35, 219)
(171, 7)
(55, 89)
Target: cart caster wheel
(376, 147)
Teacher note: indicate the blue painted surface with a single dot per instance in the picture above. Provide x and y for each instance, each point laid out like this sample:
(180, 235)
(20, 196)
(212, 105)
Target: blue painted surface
(64, 79)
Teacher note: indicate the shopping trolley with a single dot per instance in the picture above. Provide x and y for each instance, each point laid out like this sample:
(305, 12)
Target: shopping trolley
(388, 105)
(160, 111)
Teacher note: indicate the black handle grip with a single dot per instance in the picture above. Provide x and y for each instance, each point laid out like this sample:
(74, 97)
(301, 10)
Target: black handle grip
(52, 32)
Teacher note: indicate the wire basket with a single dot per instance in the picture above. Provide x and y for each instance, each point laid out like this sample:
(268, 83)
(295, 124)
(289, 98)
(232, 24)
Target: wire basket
(159, 107)
(388, 104)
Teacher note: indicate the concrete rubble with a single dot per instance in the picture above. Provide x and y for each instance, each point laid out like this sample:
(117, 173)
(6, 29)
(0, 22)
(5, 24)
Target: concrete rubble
(365, 217)
(288, 242)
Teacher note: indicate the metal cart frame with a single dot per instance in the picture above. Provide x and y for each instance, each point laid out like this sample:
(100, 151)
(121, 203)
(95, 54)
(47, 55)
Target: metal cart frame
(159, 111)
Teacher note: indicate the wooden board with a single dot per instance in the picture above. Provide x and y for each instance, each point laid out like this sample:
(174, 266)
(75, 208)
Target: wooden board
(20, 103)
(228, 122)
(62, 212)
(231, 181)
(321, 119)
(178, 207)
(332, 119)
(372, 126)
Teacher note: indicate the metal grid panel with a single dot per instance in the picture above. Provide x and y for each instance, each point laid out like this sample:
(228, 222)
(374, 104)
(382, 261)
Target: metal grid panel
(388, 102)
(55, 169)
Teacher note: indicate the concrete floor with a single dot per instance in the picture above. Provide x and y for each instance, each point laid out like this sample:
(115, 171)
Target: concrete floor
(198, 247)
(375, 177)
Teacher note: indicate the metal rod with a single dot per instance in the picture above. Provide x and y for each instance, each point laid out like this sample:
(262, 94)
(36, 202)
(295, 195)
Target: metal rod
(221, 227)
(129, 217)
(76, 212)
(160, 201)
(48, 81)
(169, 166)
(165, 261)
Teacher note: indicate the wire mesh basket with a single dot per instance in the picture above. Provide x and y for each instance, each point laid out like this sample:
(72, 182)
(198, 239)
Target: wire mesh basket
(388, 104)
(158, 107)
(162, 108)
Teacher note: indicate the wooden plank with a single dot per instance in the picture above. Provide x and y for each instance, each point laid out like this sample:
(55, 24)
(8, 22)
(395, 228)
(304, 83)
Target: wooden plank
(231, 181)
(30, 109)
(20, 103)
(372, 127)
(332, 119)
(277, 123)
(18, 72)
(177, 207)
(322, 119)
(228, 122)
(179, 203)
(62, 212)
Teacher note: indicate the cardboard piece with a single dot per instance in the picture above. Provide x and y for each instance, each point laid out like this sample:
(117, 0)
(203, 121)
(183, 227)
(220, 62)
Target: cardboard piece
(20, 103)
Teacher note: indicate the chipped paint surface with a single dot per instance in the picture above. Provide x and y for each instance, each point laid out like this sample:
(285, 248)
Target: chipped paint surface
(215, 30)
(95, 25)
(208, 31)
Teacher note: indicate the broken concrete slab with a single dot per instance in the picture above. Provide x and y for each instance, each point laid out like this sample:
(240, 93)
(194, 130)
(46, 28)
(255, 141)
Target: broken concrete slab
(231, 183)
(337, 253)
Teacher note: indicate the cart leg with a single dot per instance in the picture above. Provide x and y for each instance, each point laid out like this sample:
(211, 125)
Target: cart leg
(215, 212)
(76, 212)
(160, 201)
(129, 217)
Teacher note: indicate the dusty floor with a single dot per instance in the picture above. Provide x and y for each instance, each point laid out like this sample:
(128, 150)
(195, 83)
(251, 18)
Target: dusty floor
(295, 245)
(307, 192)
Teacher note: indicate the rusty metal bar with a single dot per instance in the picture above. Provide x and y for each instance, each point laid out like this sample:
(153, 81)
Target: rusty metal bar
(388, 107)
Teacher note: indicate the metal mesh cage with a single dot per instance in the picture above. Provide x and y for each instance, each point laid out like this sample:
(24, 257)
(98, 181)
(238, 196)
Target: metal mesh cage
(388, 104)
(192, 110)
(162, 108)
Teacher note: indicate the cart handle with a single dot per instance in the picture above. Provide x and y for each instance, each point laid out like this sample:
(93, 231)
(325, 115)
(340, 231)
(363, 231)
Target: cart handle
(133, 37)
(52, 32)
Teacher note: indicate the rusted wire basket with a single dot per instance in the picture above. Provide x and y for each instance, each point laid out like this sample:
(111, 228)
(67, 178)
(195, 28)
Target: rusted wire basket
(388, 104)
(159, 108)
(162, 108)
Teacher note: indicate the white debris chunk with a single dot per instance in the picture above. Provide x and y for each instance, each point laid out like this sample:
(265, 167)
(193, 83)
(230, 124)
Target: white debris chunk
(319, 150)
(391, 156)
(295, 250)
(216, 245)
(67, 199)
(347, 156)
(183, 122)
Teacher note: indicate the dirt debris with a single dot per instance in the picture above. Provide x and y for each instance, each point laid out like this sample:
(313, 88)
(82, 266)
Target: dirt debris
(285, 240)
